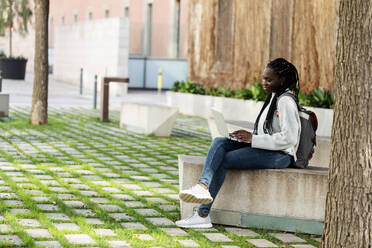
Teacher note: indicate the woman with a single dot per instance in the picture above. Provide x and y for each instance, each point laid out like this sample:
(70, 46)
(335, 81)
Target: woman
(272, 144)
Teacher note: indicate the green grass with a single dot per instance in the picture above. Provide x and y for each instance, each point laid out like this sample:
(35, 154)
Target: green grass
(75, 142)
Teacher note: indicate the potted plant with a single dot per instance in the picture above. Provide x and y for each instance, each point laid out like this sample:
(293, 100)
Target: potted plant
(13, 13)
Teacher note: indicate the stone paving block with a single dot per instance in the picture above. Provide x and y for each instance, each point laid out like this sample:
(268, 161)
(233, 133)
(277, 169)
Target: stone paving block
(318, 239)
(39, 233)
(48, 207)
(110, 207)
(85, 212)
(134, 204)
(131, 186)
(48, 244)
(152, 184)
(119, 244)
(4, 228)
(134, 225)
(121, 216)
(188, 243)
(241, 231)
(104, 232)
(41, 198)
(67, 226)
(81, 239)
(141, 178)
(156, 200)
(29, 222)
(80, 186)
(217, 237)
(66, 196)
(94, 221)
(168, 207)
(175, 231)
(287, 237)
(19, 211)
(147, 212)
(230, 246)
(99, 200)
(89, 193)
(57, 189)
(74, 204)
(34, 192)
(164, 190)
(11, 239)
(143, 236)
(261, 243)
(8, 196)
(58, 216)
(161, 221)
(143, 193)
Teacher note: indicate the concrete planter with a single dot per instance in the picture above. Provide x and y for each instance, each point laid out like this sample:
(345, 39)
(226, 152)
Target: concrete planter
(4, 105)
(236, 109)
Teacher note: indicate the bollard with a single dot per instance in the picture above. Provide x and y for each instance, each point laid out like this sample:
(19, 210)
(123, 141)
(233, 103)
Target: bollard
(95, 93)
(1, 81)
(81, 81)
(160, 80)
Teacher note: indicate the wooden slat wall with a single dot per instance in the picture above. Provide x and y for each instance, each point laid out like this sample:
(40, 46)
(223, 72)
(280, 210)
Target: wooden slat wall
(302, 31)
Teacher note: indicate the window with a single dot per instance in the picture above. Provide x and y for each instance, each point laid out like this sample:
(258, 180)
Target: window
(63, 20)
(107, 13)
(90, 15)
(75, 18)
(126, 12)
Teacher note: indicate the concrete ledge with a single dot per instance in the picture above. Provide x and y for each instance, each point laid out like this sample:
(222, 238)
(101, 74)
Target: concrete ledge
(148, 118)
(4, 105)
(263, 198)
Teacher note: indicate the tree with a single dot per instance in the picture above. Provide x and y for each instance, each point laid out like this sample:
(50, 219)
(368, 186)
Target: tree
(14, 12)
(39, 110)
(348, 217)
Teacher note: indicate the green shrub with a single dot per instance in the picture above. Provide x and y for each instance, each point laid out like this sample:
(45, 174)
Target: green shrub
(317, 98)
(244, 93)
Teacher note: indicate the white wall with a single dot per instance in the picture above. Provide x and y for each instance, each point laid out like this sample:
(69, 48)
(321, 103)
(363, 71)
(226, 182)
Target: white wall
(98, 46)
(23, 45)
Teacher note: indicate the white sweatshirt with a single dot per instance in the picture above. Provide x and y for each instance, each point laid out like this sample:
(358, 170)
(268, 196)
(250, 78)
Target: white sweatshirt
(286, 127)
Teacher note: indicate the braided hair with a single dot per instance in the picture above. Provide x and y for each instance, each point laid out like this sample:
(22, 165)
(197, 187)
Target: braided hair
(288, 71)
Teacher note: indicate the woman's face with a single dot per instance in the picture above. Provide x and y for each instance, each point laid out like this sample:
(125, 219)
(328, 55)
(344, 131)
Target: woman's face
(271, 81)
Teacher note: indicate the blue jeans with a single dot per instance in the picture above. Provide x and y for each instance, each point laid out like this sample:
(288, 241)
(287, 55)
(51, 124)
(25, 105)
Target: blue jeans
(226, 154)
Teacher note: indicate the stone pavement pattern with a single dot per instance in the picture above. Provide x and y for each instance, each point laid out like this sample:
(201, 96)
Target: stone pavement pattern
(79, 182)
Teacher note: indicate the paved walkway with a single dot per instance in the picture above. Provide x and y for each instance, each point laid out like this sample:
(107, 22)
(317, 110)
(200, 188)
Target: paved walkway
(67, 95)
(78, 182)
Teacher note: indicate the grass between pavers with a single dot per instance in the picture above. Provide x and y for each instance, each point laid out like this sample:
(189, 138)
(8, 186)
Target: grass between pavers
(82, 144)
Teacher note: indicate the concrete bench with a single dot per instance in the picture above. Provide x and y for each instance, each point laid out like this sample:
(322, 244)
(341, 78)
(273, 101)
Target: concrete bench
(148, 118)
(322, 149)
(4, 105)
(279, 199)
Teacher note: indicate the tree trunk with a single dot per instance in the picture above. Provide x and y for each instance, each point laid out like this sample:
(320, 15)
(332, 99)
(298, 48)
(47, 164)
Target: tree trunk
(348, 217)
(39, 111)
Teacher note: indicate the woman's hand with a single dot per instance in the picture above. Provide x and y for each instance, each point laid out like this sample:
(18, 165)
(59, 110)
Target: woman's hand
(243, 136)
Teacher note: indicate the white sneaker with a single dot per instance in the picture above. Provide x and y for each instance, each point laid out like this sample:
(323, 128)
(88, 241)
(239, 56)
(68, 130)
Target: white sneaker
(195, 221)
(196, 194)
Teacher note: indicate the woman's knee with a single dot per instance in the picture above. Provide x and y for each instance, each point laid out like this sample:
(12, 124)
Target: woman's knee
(220, 140)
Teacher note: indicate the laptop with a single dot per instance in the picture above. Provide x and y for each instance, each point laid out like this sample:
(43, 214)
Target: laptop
(220, 124)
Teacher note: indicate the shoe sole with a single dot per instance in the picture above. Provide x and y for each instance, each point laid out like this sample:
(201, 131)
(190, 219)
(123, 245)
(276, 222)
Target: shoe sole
(193, 199)
(196, 226)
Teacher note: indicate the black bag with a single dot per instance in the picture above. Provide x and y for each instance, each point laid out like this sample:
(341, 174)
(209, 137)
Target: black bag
(309, 125)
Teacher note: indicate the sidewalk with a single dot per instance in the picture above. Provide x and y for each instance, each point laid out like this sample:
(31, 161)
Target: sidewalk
(67, 95)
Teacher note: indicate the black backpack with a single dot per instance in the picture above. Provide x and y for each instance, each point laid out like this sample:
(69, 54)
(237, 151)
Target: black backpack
(309, 125)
